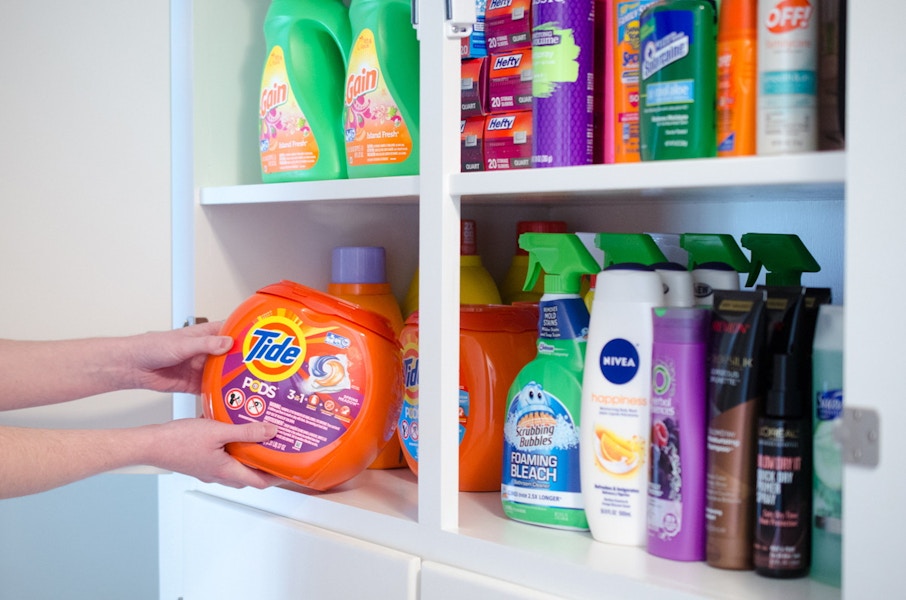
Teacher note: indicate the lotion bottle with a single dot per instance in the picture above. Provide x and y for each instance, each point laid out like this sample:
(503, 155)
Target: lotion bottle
(616, 393)
(715, 261)
(541, 483)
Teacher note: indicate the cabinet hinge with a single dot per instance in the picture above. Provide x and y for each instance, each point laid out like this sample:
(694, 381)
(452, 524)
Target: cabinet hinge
(859, 437)
(461, 18)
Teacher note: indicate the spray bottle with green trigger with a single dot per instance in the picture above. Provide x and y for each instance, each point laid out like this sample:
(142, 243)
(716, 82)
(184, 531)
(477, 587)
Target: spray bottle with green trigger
(783, 255)
(715, 261)
(541, 482)
(640, 248)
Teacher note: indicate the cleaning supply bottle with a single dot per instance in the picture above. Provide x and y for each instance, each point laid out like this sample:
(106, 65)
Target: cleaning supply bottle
(358, 274)
(382, 90)
(679, 416)
(783, 255)
(677, 87)
(827, 419)
(642, 249)
(783, 477)
(476, 285)
(511, 287)
(541, 481)
(616, 391)
(563, 83)
(787, 76)
(715, 261)
(302, 87)
(737, 77)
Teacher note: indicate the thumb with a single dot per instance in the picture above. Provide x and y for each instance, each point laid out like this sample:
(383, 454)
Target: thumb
(253, 432)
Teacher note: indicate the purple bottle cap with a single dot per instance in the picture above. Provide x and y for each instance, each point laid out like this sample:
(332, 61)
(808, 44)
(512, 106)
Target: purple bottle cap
(358, 264)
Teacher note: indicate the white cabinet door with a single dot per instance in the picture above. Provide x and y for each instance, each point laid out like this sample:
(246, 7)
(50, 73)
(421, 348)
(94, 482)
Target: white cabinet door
(439, 582)
(235, 552)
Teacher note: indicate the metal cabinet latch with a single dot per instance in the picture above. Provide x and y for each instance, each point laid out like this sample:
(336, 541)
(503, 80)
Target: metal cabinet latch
(859, 437)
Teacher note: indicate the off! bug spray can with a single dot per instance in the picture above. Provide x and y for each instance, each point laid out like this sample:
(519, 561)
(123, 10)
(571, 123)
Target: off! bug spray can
(787, 81)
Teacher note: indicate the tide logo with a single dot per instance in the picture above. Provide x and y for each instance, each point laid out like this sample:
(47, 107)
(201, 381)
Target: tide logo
(361, 83)
(274, 348)
(619, 361)
(789, 15)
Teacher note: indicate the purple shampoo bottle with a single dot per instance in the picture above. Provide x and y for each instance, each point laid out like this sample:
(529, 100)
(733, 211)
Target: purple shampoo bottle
(678, 454)
(563, 47)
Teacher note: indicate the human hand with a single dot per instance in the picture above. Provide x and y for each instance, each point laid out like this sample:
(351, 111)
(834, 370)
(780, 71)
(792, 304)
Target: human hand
(197, 447)
(172, 361)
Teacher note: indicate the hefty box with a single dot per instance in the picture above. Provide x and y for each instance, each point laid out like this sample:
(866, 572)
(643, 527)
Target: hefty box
(475, 45)
(471, 147)
(508, 25)
(508, 141)
(510, 81)
(473, 83)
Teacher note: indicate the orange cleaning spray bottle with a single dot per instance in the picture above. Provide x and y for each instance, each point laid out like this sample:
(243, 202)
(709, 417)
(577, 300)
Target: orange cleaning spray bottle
(737, 77)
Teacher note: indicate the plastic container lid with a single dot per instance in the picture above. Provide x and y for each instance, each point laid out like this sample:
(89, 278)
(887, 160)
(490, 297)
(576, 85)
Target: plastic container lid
(358, 264)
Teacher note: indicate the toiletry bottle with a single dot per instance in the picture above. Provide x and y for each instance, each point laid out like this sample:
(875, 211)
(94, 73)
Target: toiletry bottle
(382, 90)
(734, 404)
(679, 416)
(737, 77)
(541, 480)
(562, 83)
(358, 274)
(677, 88)
(783, 477)
(511, 287)
(715, 261)
(642, 249)
(787, 76)
(302, 86)
(783, 255)
(616, 391)
(827, 418)
(476, 285)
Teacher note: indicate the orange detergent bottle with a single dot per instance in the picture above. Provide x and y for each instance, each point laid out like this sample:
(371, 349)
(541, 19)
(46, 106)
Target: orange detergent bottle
(359, 275)
(495, 342)
(327, 372)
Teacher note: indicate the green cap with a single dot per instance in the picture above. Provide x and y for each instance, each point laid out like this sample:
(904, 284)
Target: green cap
(620, 248)
(714, 247)
(783, 255)
(563, 257)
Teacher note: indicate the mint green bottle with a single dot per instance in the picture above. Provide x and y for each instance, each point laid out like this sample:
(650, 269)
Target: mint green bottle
(541, 480)
(677, 80)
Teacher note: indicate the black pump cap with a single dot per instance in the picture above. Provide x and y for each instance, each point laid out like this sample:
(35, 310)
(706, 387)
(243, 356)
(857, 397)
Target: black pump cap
(785, 398)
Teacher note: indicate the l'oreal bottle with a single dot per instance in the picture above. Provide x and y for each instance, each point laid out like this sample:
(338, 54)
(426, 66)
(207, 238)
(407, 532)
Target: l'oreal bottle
(616, 392)
(541, 483)
(783, 478)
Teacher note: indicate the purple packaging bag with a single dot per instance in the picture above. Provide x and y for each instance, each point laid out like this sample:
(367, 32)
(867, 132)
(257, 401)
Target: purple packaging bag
(563, 82)
(679, 420)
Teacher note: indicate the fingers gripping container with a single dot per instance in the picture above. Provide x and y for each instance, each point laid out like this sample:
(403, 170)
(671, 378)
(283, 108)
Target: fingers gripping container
(495, 342)
(327, 372)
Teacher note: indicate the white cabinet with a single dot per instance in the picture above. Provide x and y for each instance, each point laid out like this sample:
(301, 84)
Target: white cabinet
(235, 552)
(247, 235)
(439, 581)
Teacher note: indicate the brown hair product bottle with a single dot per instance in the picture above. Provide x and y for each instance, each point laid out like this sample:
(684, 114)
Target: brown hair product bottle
(783, 478)
(734, 404)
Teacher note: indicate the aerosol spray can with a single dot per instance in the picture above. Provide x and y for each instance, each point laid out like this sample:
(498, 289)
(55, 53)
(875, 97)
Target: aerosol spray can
(787, 78)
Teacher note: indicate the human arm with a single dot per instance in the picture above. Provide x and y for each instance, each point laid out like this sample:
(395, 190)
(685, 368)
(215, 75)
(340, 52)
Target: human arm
(35, 460)
(34, 373)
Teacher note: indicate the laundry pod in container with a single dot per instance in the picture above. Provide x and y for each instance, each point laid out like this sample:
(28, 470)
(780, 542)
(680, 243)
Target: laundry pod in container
(327, 372)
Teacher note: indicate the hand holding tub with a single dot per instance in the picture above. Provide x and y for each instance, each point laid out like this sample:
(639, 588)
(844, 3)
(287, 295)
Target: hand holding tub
(36, 460)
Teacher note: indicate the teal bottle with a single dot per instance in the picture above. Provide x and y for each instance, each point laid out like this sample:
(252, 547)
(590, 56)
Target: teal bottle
(541, 480)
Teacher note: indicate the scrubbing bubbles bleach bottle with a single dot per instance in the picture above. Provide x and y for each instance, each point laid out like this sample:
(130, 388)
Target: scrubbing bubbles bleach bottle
(541, 483)
(381, 100)
(300, 106)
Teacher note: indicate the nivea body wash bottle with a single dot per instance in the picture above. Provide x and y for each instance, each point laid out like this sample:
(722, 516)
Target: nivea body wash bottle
(616, 392)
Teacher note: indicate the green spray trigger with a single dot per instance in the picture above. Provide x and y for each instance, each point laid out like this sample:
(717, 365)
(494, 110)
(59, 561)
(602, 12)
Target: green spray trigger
(783, 255)
(714, 247)
(620, 248)
(563, 257)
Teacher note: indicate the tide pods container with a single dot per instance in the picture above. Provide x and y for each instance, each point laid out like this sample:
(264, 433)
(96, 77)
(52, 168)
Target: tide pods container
(327, 372)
